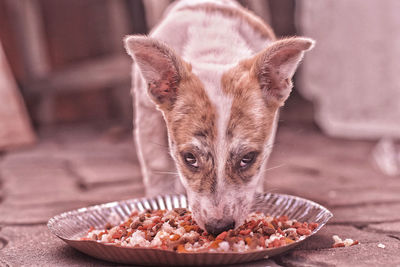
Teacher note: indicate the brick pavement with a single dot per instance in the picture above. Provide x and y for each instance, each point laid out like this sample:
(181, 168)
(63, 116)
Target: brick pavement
(73, 167)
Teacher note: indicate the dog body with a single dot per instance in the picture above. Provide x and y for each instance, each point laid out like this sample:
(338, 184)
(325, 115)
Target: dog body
(208, 84)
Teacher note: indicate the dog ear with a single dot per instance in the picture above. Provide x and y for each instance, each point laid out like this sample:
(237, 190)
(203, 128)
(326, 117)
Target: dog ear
(274, 67)
(160, 66)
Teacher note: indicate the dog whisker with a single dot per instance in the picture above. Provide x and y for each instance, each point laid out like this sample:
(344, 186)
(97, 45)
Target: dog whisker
(275, 167)
(272, 168)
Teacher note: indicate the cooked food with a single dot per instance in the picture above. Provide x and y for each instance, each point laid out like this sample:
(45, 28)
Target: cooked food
(176, 230)
(338, 242)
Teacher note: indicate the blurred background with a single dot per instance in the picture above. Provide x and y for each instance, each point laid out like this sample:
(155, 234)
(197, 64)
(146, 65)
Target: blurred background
(68, 61)
(66, 120)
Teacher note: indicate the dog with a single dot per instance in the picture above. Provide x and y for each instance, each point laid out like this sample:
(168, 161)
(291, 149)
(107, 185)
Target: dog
(208, 83)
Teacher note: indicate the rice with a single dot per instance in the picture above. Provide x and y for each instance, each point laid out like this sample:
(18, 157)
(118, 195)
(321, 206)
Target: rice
(338, 242)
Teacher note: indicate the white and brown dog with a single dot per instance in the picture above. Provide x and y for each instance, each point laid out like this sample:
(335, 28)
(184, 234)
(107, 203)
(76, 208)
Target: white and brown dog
(208, 84)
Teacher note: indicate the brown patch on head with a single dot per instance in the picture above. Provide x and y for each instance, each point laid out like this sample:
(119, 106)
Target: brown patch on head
(188, 112)
(165, 89)
(258, 86)
(250, 122)
(193, 118)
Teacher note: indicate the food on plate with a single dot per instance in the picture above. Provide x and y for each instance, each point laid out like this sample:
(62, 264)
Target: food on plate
(176, 230)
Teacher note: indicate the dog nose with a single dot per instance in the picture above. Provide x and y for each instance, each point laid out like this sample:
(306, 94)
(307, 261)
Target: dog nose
(216, 227)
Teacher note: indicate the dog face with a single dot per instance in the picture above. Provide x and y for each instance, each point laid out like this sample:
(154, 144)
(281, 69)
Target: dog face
(220, 121)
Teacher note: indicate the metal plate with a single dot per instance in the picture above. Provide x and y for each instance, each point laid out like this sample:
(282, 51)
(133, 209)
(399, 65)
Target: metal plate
(69, 226)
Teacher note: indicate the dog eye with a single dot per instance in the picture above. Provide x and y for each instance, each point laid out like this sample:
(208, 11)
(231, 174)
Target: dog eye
(247, 159)
(190, 160)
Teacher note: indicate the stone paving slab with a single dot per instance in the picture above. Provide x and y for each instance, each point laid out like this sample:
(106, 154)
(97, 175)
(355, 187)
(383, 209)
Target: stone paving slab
(318, 251)
(40, 211)
(36, 246)
(390, 228)
(362, 215)
(96, 195)
(363, 255)
(331, 171)
(323, 240)
(41, 175)
(104, 171)
(42, 181)
(77, 143)
(331, 190)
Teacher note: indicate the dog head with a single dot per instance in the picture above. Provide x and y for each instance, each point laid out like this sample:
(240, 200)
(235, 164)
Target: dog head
(220, 120)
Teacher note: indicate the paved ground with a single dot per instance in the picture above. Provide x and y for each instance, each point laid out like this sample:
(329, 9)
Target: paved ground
(75, 166)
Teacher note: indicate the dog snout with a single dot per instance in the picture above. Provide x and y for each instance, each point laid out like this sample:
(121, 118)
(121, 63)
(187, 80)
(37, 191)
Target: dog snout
(216, 227)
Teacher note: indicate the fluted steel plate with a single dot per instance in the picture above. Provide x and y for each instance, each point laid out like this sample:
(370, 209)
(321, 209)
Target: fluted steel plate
(71, 225)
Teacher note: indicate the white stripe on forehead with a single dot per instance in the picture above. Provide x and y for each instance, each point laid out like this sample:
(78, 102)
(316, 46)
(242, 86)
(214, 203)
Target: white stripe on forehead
(210, 75)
